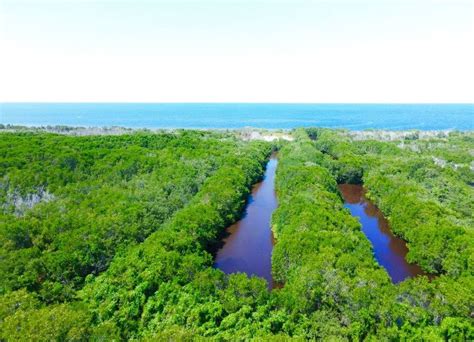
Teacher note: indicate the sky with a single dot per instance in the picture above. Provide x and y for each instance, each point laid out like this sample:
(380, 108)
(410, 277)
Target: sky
(380, 51)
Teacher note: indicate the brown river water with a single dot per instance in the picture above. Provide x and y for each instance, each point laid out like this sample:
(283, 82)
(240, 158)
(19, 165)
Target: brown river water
(249, 244)
(389, 250)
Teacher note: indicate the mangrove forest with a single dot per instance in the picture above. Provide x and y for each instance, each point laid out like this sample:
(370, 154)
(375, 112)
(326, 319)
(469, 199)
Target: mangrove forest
(184, 235)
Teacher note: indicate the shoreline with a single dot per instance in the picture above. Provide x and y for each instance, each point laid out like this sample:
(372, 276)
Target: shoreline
(247, 133)
(369, 133)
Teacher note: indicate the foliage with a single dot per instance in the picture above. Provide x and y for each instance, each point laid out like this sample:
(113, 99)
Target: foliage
(110, 238)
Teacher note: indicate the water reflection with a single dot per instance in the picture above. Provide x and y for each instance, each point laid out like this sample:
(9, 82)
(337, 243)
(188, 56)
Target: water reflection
(389, 250)
(248, 247)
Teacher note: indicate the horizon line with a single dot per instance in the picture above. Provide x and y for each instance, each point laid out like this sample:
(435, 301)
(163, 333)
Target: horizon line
(236, 103)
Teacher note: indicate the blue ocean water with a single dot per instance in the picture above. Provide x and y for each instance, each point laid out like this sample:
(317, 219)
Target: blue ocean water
(238, 115)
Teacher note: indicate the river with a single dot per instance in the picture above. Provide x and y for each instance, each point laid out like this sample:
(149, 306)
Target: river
(389, 250)
(249, 244)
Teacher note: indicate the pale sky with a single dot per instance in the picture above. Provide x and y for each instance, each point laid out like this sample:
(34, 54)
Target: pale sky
(237, 51)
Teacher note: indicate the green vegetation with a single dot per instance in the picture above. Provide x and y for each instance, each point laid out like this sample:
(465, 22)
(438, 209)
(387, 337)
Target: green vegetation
(69, 204)
(428, 203)
(326, 264)
(110, 237)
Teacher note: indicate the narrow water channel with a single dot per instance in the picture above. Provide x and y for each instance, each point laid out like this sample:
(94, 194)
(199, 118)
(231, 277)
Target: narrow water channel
(389, 250)
(248, 247)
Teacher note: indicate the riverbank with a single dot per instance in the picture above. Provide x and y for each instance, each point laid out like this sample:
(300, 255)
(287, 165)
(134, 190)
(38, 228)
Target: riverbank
(389, 250)
(248, 246)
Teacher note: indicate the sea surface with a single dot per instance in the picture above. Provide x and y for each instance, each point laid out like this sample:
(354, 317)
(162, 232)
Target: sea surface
(238, 115)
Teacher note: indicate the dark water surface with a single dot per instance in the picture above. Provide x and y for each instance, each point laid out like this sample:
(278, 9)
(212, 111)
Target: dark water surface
(238, 115)
(389, 250)
(249, 246)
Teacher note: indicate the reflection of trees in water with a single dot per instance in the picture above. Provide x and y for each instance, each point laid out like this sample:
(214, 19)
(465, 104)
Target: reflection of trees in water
(395, 250)
(248, 245)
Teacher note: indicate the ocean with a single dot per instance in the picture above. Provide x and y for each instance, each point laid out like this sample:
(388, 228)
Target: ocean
(239, 115)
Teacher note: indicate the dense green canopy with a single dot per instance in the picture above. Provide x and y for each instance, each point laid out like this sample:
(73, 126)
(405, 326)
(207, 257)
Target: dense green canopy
(111, 237)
